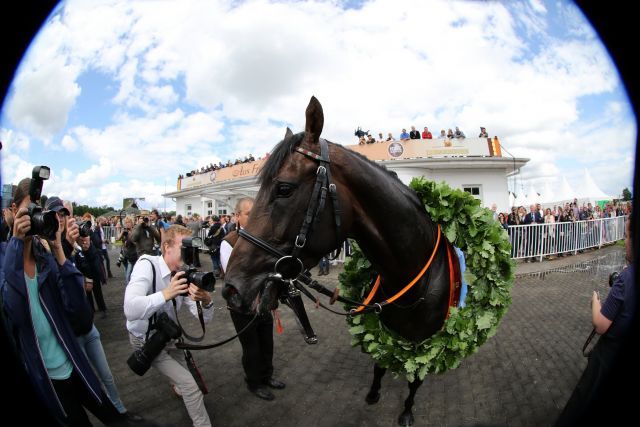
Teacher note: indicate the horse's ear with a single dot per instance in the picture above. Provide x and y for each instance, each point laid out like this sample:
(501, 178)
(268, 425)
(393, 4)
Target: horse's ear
(315, 121)
(288, 134)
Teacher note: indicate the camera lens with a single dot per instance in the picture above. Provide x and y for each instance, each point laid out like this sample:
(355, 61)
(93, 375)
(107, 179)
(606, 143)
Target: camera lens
(203, 280)
(44, 224)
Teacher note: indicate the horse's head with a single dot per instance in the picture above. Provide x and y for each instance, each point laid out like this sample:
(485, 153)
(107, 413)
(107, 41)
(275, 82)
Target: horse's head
(292, 223)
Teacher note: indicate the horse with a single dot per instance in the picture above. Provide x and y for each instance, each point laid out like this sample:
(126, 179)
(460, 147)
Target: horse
(313, 195)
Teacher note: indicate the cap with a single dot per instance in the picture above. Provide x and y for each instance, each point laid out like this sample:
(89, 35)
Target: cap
(216, 218)
(54, 203)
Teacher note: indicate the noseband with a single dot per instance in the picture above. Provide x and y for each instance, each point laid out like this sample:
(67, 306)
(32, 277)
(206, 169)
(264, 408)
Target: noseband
(288, 267)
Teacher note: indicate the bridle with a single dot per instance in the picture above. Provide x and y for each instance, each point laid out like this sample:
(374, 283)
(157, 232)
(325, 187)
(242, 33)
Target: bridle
(289, 267)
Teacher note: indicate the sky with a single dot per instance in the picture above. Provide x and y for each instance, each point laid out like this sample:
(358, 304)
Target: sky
(119, 97)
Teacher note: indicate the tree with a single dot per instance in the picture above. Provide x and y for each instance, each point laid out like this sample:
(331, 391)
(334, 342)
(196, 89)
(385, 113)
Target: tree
(626, 194)
(80, 210)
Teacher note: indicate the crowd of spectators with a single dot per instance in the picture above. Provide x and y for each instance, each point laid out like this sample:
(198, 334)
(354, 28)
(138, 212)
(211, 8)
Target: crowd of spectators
(213, 167)
(551, 236)
(364, 137)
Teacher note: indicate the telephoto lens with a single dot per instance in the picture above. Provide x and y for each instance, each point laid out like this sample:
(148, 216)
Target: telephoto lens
(166, 330)
(43, 223)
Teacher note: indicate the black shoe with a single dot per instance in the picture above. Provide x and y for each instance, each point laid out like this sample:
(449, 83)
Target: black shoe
(262, 392)
(130, 416)
(273, 383)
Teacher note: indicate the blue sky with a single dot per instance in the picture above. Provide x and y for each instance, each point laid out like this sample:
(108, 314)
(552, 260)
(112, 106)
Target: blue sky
(120, 97)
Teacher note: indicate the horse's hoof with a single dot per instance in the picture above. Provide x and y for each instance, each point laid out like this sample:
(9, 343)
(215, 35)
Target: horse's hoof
(405, 419)
(372, 398)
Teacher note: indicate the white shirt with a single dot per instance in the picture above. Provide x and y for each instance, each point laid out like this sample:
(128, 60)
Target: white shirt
(225, 253)
(140, 303)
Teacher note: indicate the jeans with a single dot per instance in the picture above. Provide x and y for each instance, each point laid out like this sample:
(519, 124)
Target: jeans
(215, 260)
(92, 347)
(127, 271)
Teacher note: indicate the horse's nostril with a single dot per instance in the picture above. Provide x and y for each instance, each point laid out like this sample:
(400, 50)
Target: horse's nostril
(230, 293)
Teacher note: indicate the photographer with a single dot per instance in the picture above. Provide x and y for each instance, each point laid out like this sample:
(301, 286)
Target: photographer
(215, 236)
(195, 225)
(144, 235)
(128, 248)
(43, 295)
(612, 320)
(145, 299)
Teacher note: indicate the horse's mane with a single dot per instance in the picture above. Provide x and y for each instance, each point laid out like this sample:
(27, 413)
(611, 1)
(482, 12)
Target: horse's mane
(286, 146)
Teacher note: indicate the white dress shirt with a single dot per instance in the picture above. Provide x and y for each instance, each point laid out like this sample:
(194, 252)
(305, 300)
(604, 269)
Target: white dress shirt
(140, 303)
(225, 253)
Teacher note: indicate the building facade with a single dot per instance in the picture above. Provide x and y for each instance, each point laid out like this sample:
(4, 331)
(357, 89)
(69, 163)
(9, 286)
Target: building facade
(474, 165)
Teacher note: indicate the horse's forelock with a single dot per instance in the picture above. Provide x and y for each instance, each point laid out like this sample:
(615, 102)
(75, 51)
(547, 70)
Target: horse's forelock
(277, 157)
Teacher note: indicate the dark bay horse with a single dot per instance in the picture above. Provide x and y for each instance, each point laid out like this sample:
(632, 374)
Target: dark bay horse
(313, 195)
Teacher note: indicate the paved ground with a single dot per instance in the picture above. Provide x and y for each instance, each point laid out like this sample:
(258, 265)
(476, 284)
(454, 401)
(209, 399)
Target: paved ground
(522, 376)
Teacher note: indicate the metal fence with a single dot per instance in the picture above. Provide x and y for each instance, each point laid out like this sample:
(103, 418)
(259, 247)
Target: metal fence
(540, 240)
(529, 241)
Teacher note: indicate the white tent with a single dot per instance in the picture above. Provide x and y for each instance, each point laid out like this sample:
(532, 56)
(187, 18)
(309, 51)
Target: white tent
(548, 195)
(589, 190)
(565, 193)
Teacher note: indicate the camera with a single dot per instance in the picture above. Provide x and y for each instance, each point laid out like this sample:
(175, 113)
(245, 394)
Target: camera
(202, 279)
(166, 330)
(613, 277)
(145, 220)
(85, 228)
(121, 259)
(43, 223)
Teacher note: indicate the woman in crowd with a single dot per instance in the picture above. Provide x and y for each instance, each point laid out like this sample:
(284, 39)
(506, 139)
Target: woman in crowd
(550, 233)
(43, 295)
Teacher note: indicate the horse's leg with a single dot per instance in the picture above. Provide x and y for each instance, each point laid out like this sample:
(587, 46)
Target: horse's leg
(406, 418)
(374, 392)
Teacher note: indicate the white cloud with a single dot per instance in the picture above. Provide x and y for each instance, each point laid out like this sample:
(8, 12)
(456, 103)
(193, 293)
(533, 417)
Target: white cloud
(199, 81)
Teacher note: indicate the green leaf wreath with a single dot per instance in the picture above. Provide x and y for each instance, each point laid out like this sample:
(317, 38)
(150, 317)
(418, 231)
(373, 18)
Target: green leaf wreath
(489, 276)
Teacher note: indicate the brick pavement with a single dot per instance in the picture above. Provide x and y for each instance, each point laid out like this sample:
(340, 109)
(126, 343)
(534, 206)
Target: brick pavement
(521, 376)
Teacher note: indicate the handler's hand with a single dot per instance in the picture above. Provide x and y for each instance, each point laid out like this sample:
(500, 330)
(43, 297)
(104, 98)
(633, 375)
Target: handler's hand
(178, 286)
(22, 224)
(197, 294)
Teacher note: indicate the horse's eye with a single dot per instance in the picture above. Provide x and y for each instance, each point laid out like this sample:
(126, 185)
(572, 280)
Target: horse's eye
(284, 190)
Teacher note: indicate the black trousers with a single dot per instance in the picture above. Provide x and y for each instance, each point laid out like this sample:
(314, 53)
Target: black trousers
(74, 398)
(257, 346)
(97, 292)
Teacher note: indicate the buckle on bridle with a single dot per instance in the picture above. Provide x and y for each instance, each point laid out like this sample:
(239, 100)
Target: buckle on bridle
(323, 169)
(298, 243)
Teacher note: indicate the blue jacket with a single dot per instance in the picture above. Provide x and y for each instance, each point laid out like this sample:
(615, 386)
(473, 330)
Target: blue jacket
(63, 300)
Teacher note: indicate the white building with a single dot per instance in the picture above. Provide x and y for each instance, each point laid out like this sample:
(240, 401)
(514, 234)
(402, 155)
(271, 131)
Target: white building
(475, 165)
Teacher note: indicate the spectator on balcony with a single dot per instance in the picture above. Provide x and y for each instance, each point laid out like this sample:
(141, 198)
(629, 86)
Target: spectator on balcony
(414, 134)
(426, 134)
(380, 137)
(442, 135)
(459, 134)
(362, 141)
(370, 139)
(450, 134)
(404, 136)
(390, 137)
(483, 133)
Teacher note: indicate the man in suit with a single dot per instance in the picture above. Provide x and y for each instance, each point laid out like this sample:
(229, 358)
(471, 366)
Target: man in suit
(414, 134)
(99, 240)
(533, 234)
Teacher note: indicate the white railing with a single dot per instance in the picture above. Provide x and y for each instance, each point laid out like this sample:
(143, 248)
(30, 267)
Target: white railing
(529, 241)
(540, 240)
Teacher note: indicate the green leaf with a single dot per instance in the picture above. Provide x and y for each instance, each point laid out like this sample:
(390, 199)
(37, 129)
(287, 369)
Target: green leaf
(356, 330)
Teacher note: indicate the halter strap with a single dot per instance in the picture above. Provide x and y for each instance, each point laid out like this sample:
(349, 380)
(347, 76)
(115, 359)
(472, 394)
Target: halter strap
(406, 288)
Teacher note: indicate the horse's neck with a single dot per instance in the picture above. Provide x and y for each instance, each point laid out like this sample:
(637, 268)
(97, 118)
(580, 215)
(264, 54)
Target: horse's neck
(395, 234)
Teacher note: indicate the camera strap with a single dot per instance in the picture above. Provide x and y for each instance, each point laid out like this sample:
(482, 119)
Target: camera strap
(184, 333)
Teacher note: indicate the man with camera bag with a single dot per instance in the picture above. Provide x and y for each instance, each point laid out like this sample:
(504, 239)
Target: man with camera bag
(154, 294)
(143, 236)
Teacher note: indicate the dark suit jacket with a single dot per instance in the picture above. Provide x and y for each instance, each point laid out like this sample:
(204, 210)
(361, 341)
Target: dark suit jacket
(96, 239)
(537, 219)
